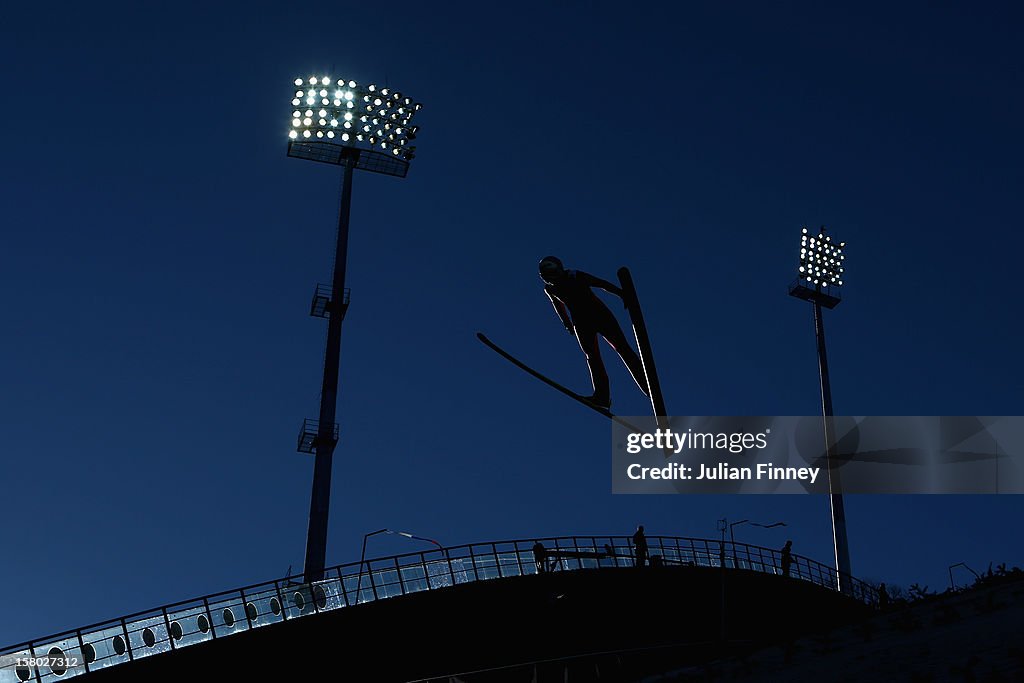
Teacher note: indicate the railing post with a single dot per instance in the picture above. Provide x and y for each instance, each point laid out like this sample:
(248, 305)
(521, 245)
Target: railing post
(451, 569)
(426, 570)
(398, 570)
(81, 648)
(519, 558)
(167, 630)
(312, 595)
(281, 601)
(472, 559)
(209, 617)
(341, 583)
(128, 640)
(32, 655)
(245, 610)
(373, 585)
(497, 560)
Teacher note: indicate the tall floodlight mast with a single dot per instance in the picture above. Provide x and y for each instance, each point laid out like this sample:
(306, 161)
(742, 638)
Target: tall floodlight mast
(357, 127)
(820, 277)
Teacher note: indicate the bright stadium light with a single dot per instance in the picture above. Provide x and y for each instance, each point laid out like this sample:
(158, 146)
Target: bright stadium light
(349, 102)
(324, 110)
(819, 277)
(821, 270)
(821, 259)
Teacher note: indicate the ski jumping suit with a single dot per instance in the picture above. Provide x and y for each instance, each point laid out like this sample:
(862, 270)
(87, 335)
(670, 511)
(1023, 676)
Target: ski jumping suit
(571, 296)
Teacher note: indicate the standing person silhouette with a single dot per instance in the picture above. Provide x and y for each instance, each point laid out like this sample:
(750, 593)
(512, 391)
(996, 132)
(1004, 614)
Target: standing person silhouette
(787, 557)
(640, 546)
(540, 556)
(586, 316)
(883, 597)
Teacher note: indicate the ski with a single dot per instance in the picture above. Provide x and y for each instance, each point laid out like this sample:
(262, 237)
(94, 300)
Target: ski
(551, 383)
(643, 343)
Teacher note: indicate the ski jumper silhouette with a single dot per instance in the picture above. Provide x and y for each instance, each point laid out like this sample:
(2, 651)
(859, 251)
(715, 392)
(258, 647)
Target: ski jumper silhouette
(586, 316)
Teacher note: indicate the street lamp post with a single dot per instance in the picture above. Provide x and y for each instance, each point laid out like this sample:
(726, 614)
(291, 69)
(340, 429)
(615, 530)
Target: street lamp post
(820, 277)
(723, 524)
(362, 555)
(952, 584)
(732, 535)
(360, 128)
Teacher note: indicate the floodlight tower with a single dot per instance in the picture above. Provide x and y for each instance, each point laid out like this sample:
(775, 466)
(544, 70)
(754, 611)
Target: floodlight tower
(822, 263)
(357, 127)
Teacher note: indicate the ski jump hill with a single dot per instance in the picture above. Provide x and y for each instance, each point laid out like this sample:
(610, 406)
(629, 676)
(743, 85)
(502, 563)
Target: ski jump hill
(486, 607)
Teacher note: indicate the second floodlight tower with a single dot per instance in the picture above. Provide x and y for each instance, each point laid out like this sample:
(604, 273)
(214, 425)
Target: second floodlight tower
(819, 279)
(357, 127)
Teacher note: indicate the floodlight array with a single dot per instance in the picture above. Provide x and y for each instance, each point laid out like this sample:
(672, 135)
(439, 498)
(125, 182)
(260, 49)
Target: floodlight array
(344, 112)
(821, 259)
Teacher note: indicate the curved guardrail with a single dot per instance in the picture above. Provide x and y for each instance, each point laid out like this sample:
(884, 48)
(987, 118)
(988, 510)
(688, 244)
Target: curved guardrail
(185, 623)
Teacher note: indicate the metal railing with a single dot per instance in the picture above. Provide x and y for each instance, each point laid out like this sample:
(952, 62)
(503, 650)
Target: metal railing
(201, 619)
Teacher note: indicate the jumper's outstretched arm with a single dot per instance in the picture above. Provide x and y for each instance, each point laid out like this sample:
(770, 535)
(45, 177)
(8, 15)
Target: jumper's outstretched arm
(594, 281)
(563, 313)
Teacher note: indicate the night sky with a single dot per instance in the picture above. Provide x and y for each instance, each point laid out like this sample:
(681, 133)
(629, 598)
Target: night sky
(160, 249)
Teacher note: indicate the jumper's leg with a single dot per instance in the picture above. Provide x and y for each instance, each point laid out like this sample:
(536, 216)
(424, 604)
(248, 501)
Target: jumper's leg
(617, 340)
(598, 374)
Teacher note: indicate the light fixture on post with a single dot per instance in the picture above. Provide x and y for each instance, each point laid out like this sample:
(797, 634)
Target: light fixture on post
(358, 127)
(819, 279)
(362, 555)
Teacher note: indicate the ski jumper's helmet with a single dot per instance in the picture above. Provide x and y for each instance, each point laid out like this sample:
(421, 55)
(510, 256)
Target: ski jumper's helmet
(550, 267)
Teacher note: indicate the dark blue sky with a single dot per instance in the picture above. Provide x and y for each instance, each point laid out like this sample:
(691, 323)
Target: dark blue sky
(159, 252)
